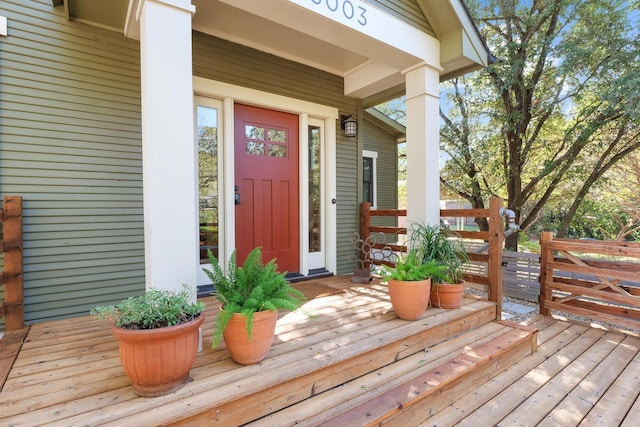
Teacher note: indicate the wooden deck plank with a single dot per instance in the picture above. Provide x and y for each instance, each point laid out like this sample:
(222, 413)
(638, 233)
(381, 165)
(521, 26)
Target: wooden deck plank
(451, 392)
(391, 402)
(546, 398)
(68, 371)
(552, 338)
(76, 390)
(338, 400)
(631, 420)
(612, 407)
(10, 345)
(329, 356)
(572, 343)
(331, 328)
(574, 407)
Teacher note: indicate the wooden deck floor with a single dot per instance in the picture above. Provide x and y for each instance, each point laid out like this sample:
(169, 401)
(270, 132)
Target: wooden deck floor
(580, 376)
(68, 372)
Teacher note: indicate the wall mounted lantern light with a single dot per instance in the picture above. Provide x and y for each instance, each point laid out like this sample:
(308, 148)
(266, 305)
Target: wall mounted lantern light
(349, 125)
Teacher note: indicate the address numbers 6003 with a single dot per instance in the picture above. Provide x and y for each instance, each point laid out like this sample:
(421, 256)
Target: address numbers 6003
(346, 7)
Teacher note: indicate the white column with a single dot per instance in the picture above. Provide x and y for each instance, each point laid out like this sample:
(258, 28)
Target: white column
(423, 140)
(168, 148)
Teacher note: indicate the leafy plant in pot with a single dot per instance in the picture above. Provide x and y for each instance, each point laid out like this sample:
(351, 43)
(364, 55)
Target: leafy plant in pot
(444, 247)
(251, 296)
(158, 335)
(410, 282)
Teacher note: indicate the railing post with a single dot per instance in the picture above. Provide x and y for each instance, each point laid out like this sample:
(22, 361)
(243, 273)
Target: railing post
(496, 243)
(546, 255)
(365, 220)
(12, 247)
(365, 228)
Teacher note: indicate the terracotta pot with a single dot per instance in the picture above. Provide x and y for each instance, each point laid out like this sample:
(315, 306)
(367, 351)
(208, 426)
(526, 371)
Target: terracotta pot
(247, 351)
(447, 295)
(409, 299)
(157, 361)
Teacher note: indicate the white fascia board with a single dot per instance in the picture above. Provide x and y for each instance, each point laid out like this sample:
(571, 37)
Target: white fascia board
(472, 46)
(132, 21)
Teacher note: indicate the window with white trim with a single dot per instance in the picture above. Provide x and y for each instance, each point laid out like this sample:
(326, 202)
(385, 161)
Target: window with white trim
(369, 172)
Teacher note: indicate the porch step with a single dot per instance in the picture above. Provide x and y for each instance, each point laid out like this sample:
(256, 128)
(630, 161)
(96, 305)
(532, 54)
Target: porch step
(407, 391)
(327, 353)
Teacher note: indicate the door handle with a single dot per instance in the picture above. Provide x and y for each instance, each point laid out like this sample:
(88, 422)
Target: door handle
(237, 195)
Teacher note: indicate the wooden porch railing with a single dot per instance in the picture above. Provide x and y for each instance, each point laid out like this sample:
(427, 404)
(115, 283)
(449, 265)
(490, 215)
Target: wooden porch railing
(599, 280)
(12, 308)
(494, 237)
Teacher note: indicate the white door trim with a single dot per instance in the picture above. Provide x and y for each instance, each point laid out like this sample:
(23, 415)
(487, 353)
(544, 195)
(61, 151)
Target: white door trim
(308, 111)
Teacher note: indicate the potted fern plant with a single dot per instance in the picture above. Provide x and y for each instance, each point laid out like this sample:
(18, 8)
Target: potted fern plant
(410, 282)
(158, 335)
(250, 297)
(444, 247)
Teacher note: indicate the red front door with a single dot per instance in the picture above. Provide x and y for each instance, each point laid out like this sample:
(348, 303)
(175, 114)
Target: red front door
(266, 173)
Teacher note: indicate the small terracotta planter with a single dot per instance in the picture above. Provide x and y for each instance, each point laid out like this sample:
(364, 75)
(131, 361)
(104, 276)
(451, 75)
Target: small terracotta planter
(447, 295)
(158, 361)
(247, 351)
(409, 299)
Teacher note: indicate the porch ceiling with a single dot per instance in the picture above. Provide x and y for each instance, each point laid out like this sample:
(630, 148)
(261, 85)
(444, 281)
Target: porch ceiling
(370, 59)
(220, 19)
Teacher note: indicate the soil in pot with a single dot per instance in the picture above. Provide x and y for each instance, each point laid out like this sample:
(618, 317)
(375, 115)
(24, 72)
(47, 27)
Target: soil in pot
(409, 299)
(247, 351)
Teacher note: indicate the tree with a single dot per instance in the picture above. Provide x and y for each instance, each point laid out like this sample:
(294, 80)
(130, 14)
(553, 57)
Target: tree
(557, 109)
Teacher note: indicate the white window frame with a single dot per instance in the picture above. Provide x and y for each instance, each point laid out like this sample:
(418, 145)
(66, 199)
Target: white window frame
(373, 155)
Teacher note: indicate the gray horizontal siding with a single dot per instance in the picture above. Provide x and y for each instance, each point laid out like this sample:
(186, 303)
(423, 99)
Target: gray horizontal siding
(221, 60)
(71, 147)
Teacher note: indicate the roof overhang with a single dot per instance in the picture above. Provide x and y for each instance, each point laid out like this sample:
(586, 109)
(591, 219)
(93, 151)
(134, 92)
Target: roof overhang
(461, 46)
(386, 123)
(368, 47)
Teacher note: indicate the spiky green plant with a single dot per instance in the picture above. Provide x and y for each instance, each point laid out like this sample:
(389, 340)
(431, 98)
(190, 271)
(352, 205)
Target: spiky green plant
(441, 245)
(248, 289)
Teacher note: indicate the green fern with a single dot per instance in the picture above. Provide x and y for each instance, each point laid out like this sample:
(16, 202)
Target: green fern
(248, 289)
(413, 268)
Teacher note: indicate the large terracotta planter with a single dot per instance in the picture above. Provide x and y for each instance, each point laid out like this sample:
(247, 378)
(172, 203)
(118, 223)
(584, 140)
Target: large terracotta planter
(409, 299)
(247, 351)
(157, 361)
(447, 295)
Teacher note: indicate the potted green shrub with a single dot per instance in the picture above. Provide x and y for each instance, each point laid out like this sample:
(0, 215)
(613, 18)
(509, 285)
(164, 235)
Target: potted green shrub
(251, 296)
(158, 336)
(445, 248)
(410, 282)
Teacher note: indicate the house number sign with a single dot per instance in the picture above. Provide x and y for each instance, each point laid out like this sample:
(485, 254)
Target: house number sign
(350, 9)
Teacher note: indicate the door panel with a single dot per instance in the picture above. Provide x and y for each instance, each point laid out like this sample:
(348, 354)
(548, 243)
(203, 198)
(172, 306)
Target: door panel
(266, 173)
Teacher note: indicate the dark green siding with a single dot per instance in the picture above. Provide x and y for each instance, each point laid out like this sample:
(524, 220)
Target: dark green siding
(228, 62)
(71, 147)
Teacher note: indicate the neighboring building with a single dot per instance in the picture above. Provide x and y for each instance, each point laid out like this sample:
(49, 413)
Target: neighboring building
(131, 127)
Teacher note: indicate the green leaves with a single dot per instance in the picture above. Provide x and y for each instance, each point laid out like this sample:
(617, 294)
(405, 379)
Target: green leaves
(248, 289)
(154, 309)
